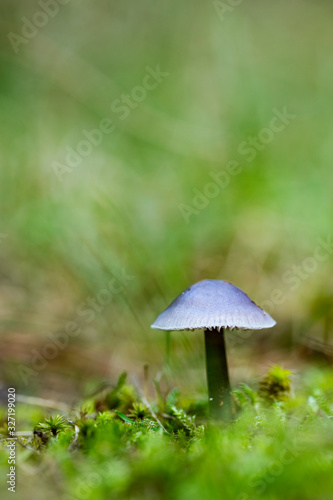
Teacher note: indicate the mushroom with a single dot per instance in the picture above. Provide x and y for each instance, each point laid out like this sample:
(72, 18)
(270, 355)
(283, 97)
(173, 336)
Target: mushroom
(214, 305)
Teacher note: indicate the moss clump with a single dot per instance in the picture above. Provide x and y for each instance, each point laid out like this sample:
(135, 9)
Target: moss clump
(276, 385)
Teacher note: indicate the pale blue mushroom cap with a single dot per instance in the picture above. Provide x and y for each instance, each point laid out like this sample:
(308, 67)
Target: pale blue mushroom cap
(213, 304)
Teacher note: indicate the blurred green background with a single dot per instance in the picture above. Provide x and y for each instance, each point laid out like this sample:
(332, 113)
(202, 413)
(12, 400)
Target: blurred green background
(67, 231)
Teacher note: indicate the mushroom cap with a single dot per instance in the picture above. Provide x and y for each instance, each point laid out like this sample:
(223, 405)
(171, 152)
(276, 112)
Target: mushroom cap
(213, 304)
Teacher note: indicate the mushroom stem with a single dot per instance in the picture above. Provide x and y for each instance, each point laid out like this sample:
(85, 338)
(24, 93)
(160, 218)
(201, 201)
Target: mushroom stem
(220, 405)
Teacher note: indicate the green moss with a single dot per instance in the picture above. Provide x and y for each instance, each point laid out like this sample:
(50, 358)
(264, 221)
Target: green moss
(274, 451)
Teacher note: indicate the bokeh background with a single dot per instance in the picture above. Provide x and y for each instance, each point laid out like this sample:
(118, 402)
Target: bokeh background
(120, 210)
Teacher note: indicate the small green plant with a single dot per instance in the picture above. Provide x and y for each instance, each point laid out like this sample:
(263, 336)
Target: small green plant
(245, 396)
(188, 423)
(52, 426)
(139, 411)
(276, 385)
(104, 418)
(121, 397)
